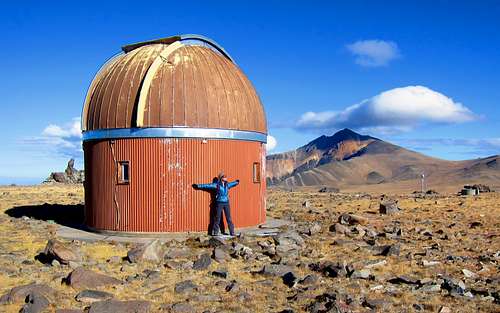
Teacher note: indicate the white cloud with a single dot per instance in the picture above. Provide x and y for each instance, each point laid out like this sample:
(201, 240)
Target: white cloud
(373, 53)
(61, 140)
(395, 110)
(68, 130)
(271, 143)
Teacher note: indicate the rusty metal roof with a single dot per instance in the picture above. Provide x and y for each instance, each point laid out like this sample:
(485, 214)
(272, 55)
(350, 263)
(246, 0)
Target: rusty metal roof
(180, 81)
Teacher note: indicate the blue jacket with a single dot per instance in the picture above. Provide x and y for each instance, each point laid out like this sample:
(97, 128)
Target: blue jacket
(222, 190)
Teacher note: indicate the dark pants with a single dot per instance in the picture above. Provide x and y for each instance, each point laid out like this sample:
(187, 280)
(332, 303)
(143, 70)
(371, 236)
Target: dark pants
(219, 207)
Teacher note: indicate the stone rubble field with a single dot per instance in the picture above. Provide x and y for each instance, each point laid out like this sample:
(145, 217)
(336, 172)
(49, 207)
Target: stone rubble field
(339, 253)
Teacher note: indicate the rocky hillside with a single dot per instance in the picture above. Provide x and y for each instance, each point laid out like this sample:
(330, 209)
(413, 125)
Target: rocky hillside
(348, 158)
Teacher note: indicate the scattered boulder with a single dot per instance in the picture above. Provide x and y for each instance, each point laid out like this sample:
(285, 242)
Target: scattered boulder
(288, 244)
(340, 229)
(314, 228)
(288, 237)
(406, 280)
(352, 219)
(220, 255)
(152, 251)
(179, 265)
(362, 274)
(386, 250)
(182, 307)
(239, 250)
(55, 250)
(309, 279)
(91, 296)
(275, 270)
(222, 273)
(185, 286)
(35, 303)
(83, 278)
(20, 293)
(426, 263)
(115, 306)
(469, 274)
(203, 262)
(216, 241)
(331, 269)
(378, 305)
(454, 286)
(178, 253)
(430, 288)
(375, 264)
(389, 207)
(329, 189)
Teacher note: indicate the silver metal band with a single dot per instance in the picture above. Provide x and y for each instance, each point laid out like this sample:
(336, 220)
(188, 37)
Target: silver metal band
(209, 41)
(174, 132)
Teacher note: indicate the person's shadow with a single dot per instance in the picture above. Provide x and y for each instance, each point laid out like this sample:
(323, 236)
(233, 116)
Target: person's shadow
(213, 204)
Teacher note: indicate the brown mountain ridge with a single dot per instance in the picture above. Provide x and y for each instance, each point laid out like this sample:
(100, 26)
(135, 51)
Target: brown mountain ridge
(351, 159)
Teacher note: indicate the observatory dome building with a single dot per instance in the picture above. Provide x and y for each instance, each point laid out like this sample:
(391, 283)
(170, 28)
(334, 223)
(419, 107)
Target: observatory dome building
(161, 116)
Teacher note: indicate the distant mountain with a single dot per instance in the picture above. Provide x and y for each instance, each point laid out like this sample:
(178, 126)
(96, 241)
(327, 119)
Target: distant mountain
(348, 158)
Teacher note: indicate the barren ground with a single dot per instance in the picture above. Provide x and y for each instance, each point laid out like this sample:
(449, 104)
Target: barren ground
(457, 232)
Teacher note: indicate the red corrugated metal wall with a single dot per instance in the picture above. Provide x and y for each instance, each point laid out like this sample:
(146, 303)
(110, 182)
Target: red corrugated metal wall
(159, 196)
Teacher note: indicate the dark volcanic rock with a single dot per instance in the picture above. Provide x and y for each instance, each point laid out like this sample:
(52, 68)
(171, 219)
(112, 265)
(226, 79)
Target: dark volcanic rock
(114, 306)
(82, 278)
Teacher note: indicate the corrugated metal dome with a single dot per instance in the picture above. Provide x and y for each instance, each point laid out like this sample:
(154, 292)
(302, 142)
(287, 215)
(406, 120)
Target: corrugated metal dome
(181, 81)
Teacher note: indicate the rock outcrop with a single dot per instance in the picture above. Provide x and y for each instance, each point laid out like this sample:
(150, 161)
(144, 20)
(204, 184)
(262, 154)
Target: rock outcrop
(70, 175)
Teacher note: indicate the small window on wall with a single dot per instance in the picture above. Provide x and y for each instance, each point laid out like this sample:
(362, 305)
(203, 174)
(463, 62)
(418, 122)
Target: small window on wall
(256, 172)
(123, 172)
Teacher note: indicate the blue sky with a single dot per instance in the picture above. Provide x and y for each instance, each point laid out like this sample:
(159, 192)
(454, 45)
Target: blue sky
(425, 75)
